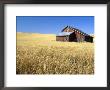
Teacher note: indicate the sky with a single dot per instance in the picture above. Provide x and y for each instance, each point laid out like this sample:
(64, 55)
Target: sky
(54, 24)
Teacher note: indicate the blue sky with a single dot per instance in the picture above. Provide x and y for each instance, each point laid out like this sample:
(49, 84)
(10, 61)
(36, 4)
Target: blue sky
(53, 24)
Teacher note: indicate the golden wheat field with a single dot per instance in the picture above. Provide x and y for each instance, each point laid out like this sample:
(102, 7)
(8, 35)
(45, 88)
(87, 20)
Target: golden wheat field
(42, 54)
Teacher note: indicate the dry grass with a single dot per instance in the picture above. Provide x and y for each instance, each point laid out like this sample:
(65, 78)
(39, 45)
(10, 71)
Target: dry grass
(41, 54)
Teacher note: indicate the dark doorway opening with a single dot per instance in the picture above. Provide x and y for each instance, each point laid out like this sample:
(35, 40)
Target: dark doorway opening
(72, 37)
(88, 39)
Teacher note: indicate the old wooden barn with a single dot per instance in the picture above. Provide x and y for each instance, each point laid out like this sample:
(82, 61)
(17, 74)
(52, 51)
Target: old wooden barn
(71, 34)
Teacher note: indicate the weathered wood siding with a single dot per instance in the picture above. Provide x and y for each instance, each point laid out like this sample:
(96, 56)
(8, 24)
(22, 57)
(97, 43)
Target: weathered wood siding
(62, 38)
(80, 37)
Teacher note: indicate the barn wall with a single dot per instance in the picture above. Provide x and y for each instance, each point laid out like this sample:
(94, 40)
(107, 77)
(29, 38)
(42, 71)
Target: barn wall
(80, 37)
(61, 38)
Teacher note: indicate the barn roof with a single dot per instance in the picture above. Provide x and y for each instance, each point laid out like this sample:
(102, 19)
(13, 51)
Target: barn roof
(75, 29)
(64, 33)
